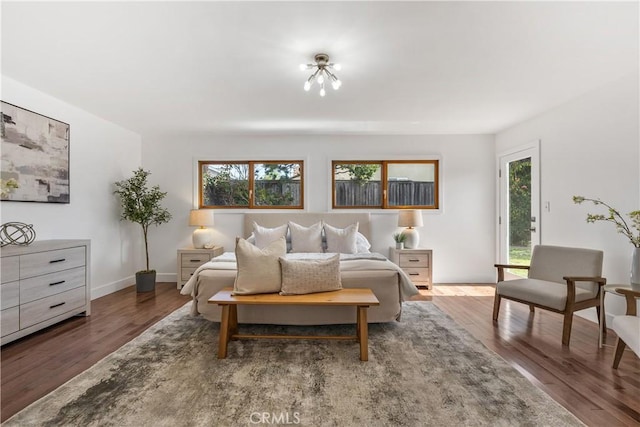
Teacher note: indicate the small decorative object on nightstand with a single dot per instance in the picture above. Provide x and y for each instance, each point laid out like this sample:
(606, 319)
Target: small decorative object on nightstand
(189, 259)
(416, 263)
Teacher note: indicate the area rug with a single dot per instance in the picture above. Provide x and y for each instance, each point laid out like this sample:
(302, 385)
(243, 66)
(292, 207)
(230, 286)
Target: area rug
(423, 371)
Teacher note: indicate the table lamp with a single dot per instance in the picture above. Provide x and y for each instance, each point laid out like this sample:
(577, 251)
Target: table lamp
(202, 237)
(410, 219)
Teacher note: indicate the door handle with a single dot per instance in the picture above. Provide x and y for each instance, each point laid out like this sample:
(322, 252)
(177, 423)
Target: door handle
(532, 229)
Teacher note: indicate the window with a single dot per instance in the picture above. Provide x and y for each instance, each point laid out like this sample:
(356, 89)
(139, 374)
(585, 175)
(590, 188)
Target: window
(395, 184)
(251, 184)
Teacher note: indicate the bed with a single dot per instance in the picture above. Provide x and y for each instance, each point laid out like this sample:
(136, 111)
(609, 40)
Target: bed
(362, 270)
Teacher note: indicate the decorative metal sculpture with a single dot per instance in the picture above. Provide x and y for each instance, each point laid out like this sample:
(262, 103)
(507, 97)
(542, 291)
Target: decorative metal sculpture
(17, 233)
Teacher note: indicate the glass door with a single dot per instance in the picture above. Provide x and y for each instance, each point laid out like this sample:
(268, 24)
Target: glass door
(519, 217)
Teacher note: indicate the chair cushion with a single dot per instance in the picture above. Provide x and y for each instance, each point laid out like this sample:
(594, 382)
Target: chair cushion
(628, 329)
(542, 292)
(552, 263)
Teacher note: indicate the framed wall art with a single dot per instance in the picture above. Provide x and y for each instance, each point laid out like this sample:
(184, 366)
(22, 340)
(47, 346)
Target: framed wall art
(35, 157)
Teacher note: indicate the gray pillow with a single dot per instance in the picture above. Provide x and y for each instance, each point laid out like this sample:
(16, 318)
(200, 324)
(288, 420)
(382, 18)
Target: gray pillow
(264, 236)
(341, 240)
(306, 239)
(311, 275)
(258, 269)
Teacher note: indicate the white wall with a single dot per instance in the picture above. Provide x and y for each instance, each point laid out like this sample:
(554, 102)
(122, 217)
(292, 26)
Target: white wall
(461, 234)
(590, 147)
(100, 153)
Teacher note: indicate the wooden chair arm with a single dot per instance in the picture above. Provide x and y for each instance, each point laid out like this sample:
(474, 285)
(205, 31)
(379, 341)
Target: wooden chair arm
(630, 295)
(524, 267)
(501, 268)
(599, 280)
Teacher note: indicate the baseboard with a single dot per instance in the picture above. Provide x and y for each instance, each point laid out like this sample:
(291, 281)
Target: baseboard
(166, 277)
(112, 287)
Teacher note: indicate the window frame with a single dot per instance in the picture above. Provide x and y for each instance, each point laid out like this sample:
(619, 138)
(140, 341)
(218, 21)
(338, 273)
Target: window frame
(251, 181)
(384, 164)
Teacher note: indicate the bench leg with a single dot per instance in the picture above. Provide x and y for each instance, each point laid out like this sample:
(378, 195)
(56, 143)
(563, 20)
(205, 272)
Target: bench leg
(224, 332)
(233, 321)
(363, 332)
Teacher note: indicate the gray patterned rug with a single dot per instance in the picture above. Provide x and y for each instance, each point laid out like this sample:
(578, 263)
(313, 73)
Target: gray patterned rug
(423, 371)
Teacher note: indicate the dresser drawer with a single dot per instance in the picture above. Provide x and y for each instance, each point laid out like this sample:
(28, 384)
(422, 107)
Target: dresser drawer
(418, 274)
(9, 295)
(414, 260)
(10, 269)
(49, 262)
(51, 284)
(186, 273)
(45, 308)
(195, 260)
(10, 320)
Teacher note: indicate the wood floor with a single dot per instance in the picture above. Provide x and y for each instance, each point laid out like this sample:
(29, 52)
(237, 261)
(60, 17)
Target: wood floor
(580, 378)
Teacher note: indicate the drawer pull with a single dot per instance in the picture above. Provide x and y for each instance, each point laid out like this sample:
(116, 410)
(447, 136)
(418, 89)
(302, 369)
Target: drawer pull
(194, 260)
(57, 260)
(414, 260)
(57, 283)
(414, 274)
(57, 305)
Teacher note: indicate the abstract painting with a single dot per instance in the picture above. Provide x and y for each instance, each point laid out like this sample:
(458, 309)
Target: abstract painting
(35, 157)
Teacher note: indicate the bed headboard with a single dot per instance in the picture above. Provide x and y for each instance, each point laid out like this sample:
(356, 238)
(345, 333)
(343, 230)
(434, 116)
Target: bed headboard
(337, 219)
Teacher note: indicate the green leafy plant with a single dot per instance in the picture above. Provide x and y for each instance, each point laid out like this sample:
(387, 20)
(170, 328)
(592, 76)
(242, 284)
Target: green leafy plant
(399, 237)
(7, 187)
(141, 204)
(615, 217)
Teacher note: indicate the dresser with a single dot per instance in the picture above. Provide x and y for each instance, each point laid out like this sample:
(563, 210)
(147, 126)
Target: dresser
(189, 259)
(42, 284)
(416, 263)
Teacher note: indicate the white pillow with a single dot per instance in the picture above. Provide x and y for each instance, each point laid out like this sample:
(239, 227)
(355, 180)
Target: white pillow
(341, 240)
(258, 269)
(306, 239)
(362, 244)
(311, 275)
(264, 236)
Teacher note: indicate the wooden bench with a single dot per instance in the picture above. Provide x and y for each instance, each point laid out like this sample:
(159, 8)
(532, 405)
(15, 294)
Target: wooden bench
(362, 299)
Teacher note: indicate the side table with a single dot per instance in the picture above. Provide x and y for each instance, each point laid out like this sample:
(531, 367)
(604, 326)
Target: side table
(189, 259)
(607, 288)
(416, 263)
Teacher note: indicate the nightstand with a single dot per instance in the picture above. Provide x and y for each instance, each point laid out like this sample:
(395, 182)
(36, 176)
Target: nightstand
(416, 263)
(189, 259)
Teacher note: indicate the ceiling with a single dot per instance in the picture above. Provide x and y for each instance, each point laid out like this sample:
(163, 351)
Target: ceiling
(177, 68)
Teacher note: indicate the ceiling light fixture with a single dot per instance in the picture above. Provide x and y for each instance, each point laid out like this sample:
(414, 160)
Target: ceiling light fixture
(322, 73)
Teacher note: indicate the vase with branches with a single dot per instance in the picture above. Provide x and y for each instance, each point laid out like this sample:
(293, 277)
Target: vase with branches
(631, 232)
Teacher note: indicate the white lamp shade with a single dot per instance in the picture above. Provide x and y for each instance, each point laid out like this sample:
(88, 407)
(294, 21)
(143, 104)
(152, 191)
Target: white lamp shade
(201, 217)
(410, 218)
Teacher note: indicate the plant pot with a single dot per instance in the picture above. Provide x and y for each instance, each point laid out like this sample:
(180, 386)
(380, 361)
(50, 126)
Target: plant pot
(399, 245)
(146, 281)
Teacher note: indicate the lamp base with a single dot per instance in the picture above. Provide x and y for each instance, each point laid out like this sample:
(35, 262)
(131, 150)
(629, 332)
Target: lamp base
(202, 238)
(413, 238)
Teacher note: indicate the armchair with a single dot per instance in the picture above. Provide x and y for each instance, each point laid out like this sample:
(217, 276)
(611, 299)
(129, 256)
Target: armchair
(627, 326)
(560, 279)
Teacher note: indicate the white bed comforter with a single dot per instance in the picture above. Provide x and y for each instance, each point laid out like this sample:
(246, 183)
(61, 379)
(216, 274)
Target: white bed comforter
(348, 262)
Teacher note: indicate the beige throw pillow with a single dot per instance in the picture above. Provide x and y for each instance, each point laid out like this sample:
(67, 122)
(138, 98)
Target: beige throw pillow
(306, 239)
(309, 276)
(341, 240)
(264, 236)
(258, 269)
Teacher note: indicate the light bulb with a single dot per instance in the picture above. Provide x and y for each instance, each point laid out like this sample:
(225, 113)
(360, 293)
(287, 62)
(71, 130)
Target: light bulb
(337, 67)
(336, 84)
(303, 67)
(307, 85)
(322, 92)
(320, 79)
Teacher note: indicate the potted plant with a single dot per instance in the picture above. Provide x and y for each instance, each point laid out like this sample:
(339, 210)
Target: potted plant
(400, 238)
(141, 205)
